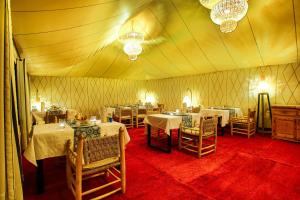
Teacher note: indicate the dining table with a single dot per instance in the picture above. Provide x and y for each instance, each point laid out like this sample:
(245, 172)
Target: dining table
(166, 122)
(49, 140)
(224, 114)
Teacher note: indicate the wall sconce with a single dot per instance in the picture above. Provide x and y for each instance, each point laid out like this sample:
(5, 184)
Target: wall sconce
(187, 99)
(36, 102)
(149, 98)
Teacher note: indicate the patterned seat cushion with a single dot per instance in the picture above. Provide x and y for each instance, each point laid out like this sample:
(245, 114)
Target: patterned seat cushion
(87, 132)
(187, 121)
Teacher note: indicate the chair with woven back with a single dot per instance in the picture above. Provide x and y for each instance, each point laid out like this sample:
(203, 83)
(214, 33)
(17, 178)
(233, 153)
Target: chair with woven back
(200, 139)
(96, 157)
(71, 113)
(54, 117)
(125, 116)
(244, 125)
(140, 116)
(161, 107)
(196, 109)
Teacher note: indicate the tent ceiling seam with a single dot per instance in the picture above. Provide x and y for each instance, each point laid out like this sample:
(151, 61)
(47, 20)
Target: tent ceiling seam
(296, 35)
(64, 9)
(257, 47)
(192, 35)
(169, 36)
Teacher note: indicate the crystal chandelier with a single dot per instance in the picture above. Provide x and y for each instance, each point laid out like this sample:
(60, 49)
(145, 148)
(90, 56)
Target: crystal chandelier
(209, 3)
(132, 44)
(227, 13)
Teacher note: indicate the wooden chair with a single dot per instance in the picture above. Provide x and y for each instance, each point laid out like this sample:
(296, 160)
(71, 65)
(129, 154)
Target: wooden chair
(54, 117)
(140, 115)
(161, 107)
(244, 125)
(196, 109)
(124, 116)
(71, 113)
(95, 157)
(202, 139)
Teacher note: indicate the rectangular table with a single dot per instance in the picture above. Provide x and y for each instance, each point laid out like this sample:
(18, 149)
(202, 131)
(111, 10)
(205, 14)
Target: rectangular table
(48, 140)
(166, 123)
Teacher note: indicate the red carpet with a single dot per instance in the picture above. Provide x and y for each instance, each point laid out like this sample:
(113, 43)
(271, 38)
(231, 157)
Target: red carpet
(255, 168)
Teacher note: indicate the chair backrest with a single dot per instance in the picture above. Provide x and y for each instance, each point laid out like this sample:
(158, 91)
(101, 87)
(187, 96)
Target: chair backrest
(71, 114)
(100, 148)
(251, 115)
(208, 125)
(96, 149)
(125, 112)
(187, 121)
(54, 117)
(196, 109)
(141, 111)
(161, 106)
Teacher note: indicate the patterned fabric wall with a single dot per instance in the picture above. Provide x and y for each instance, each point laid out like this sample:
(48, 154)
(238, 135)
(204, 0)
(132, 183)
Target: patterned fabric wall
(232, 88)
(87, 95)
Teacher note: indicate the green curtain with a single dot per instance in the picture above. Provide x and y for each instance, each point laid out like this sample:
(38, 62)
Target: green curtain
(10, 179)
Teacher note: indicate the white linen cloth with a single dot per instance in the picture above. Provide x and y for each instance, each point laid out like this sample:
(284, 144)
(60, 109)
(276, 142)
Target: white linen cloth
(110, 128)
(238, 112)
(48, 140)
(39, 117)
(168, 122)
(212, 112)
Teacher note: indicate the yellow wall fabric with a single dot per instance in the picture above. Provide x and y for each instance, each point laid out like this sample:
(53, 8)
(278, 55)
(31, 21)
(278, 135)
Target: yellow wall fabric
(86, 95)
(231, 88)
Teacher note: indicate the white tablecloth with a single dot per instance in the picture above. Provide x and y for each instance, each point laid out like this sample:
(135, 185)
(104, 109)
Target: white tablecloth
(212, 112)
(168, 122)
(39, 117)
(48, 140)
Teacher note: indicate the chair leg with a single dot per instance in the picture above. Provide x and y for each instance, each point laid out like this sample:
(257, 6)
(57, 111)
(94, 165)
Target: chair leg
(200, 145)
(215, 147)
(179, 140)
(231, 128)
(248, 131)
(78, 190)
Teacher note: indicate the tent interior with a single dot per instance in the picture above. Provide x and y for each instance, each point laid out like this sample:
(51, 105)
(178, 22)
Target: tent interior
(75, 55)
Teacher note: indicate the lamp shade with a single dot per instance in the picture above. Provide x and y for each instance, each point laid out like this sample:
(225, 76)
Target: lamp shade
(209, 3)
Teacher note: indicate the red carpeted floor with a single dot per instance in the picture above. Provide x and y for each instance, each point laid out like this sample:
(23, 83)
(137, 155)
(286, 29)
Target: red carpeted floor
(255, 168)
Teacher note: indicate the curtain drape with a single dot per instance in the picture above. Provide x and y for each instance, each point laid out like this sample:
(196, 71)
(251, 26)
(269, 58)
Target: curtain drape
(10, 179)
(23, 102)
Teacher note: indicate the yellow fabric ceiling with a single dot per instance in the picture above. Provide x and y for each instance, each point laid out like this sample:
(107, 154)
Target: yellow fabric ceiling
(80, 37)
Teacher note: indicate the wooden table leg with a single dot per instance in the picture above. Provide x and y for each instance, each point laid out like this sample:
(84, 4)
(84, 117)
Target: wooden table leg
(169, 142)
(168, 149)
(39, 177)
(149, 134)
(223, 130)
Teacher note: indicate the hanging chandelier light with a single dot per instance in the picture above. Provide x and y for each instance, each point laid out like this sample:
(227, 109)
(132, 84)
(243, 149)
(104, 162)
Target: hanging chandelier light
(132, 44)
(208, 3)
(227, 13)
